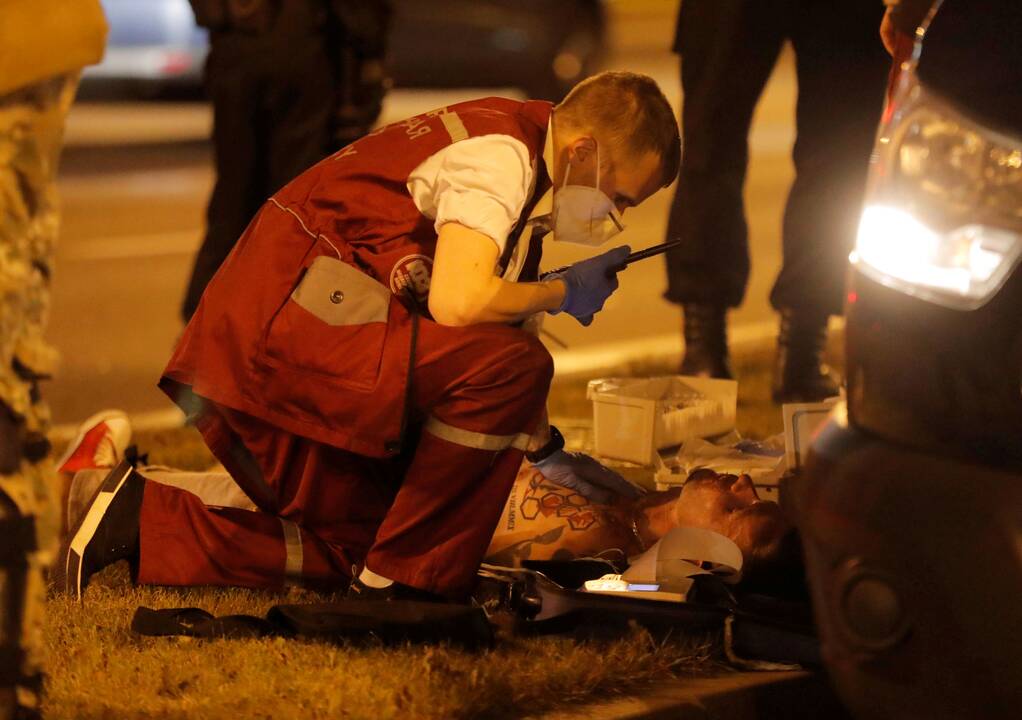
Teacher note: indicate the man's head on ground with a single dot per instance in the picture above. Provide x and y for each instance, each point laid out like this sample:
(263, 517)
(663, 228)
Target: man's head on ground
(623, 120)
(730, 505)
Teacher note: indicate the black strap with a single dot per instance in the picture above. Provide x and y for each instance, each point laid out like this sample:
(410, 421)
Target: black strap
(395, 445)
(391, 622)
(196, 622)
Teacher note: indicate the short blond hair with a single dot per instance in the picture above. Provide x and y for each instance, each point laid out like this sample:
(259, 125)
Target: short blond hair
(629, 111)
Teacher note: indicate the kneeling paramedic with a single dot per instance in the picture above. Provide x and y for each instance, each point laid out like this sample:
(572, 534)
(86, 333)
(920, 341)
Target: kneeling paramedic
(358, 364)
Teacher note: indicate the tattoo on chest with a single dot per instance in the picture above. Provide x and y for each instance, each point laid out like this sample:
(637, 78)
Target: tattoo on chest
(547, 500)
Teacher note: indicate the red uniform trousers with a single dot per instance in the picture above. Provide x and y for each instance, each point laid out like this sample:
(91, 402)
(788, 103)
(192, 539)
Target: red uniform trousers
(426, 520)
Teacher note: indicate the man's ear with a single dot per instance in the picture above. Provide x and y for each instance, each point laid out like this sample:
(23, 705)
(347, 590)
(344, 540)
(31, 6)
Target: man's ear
(581, 150)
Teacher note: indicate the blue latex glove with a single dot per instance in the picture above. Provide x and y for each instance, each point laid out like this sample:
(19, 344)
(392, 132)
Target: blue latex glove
(589, 283)
(585, 476)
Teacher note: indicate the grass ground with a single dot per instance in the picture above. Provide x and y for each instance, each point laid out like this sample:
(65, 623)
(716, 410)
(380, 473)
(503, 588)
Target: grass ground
(99, 669)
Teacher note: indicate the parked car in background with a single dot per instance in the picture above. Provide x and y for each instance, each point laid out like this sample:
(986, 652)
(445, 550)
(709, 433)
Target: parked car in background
(538, 46)
(153, 46)
(910, 508)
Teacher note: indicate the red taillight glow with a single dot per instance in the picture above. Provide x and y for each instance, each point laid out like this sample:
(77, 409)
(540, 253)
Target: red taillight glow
(175, 63)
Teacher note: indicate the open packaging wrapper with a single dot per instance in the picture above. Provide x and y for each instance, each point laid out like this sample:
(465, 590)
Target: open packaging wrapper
(634, 418)
(763, 461)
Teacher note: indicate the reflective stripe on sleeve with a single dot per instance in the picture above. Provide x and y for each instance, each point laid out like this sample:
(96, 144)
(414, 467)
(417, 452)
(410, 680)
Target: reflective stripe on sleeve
(477, 440)
(293, 550)
(454, 126)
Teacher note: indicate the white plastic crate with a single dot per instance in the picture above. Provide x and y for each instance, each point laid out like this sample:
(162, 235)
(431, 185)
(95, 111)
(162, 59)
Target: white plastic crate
(635, 417)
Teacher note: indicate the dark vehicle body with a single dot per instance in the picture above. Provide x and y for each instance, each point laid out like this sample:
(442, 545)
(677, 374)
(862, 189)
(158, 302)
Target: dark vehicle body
(910, 507)
(537, 46)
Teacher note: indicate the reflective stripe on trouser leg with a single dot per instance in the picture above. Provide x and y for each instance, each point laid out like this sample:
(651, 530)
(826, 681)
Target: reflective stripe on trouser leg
(476, 440)
(293, 551)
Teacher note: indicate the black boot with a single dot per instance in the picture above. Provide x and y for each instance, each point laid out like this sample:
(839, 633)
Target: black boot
(799, 372)
(705, 341)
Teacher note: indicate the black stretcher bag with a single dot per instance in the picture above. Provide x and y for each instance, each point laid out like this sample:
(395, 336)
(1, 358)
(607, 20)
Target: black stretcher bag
(759, 629)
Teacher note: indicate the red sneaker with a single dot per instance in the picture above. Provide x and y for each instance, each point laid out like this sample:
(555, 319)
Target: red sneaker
(100, 443)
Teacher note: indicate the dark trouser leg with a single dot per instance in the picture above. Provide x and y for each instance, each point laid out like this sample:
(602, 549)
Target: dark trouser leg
(728, 49)
(233, 84)
(298, 103)
(842, 69)
(271, 121)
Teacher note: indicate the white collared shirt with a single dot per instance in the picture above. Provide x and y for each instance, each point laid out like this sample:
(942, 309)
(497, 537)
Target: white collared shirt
(482, 183)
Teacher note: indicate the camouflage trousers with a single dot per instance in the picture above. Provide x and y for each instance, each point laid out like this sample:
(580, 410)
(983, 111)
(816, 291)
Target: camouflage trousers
(31, 134)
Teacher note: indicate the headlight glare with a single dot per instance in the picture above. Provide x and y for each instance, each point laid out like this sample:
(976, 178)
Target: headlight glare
(962, 268)
(943, 211)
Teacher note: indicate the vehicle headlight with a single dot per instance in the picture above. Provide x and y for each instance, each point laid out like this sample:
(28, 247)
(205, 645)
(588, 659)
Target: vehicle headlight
(943, 211)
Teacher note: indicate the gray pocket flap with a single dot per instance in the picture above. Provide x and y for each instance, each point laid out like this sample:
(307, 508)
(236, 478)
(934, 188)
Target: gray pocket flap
(338, 294)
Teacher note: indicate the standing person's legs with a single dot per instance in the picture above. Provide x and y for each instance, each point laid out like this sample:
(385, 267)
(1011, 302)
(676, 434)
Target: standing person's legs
(358, 38)
(296, 113)
(728, 49)
(234, 87)
(842, 68)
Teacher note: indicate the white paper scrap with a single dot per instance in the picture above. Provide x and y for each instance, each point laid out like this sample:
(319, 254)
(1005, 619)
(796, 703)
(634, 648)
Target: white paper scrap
(672, 560)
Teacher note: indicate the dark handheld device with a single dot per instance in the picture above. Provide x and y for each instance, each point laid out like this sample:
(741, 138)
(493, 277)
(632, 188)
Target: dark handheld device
(637, 255)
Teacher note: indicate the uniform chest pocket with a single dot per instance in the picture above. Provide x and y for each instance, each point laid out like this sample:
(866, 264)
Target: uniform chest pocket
(334, 324)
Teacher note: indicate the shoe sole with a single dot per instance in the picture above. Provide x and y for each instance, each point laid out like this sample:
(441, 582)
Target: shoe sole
(68, 576)
(84, 428)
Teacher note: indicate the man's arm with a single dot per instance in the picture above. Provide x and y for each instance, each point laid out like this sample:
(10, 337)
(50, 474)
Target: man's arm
(464, 289)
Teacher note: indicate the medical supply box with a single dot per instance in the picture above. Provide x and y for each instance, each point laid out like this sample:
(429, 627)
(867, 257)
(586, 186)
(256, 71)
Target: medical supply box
(633, 418)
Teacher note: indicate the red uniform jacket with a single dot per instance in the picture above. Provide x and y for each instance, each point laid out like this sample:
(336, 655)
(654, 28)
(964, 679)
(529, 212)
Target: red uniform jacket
(308, 324)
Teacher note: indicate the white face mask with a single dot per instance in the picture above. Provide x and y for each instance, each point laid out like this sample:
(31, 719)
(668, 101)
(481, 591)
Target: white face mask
(584, 215)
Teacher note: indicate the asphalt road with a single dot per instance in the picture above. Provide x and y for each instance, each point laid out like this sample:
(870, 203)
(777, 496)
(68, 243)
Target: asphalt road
(135, 178)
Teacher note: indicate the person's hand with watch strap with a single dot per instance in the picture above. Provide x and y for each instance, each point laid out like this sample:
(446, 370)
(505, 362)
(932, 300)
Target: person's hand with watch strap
(579, 472)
